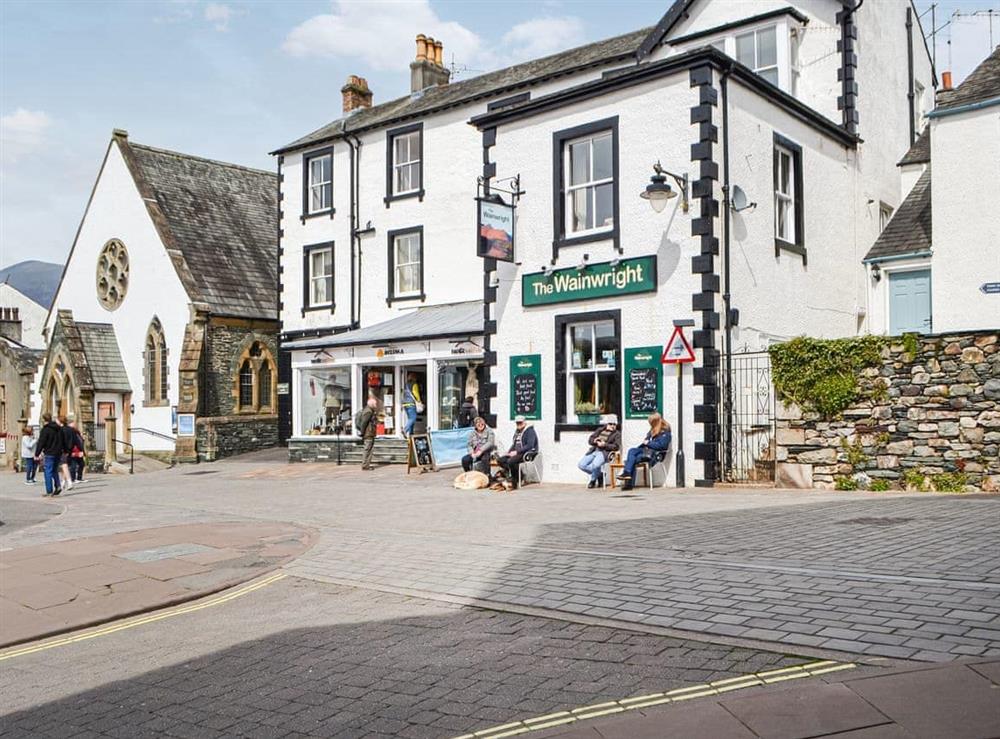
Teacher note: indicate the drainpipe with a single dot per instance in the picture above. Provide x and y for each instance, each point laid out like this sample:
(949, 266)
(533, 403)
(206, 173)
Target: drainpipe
(909, 66)
(355, 226)
(350, 215)
(726, 292)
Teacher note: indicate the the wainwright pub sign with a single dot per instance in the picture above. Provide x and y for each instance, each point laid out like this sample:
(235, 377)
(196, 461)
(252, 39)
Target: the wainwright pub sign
(496, 230)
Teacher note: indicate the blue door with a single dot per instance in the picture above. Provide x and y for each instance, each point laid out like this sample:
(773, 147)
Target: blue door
(910, 302)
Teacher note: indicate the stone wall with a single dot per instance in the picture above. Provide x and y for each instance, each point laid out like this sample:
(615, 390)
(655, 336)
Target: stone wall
(939, 413)
(219, 437)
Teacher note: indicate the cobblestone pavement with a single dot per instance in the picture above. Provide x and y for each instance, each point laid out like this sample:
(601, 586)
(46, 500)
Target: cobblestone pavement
(897, 576)
(302, 658)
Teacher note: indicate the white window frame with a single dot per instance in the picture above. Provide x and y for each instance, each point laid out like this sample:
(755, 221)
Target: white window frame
(596, 370)
(324, 186)
(785, 197)
(397, 265)
(592, 184)
(415, 163)
(786, 57)
(884, 216)
(314, 278)
(757, 67)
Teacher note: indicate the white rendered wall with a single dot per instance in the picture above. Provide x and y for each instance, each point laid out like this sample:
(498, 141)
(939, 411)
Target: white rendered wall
(966, 219)
(31, 313)
(908, 177)
(117, 211)
(526, 147)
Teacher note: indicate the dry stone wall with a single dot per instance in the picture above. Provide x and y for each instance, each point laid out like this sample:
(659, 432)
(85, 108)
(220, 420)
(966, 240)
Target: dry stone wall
(936, 412)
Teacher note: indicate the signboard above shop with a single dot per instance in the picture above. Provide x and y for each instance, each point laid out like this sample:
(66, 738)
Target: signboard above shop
(601, 280)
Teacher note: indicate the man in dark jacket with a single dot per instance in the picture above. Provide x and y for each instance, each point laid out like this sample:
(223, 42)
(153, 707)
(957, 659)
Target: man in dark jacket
(367, 425)
(525, 442)
(50, 448)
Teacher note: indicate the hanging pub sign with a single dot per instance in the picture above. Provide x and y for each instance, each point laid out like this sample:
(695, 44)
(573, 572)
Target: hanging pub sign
(526, 386)
(496, 230)
(601, 280)
(643, 381)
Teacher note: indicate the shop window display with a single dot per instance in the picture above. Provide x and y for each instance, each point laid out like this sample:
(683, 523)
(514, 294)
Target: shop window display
(456, 382)
(378, 384)
(325, 407)
(593, 380)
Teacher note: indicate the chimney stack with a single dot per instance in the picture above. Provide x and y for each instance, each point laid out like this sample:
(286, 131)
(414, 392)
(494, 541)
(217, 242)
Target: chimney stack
(10, 324)
(945, 81)
(427, 69)
(356, 94)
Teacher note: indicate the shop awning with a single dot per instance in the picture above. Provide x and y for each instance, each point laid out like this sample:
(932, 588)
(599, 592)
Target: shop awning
(454, 320)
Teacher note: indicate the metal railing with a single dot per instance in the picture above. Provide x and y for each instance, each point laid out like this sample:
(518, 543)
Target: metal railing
(157, 434)
(131, 455)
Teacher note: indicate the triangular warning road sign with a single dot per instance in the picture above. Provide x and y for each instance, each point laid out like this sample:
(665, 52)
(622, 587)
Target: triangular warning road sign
(678, 350)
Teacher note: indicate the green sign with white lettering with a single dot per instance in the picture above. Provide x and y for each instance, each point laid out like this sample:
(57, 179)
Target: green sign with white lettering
(643, 381)
(526, 386)
(603, 280)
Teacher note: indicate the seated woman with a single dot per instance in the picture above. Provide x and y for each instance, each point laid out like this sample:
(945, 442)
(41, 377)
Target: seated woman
(656, 441)
(605, 440)
(481, 444)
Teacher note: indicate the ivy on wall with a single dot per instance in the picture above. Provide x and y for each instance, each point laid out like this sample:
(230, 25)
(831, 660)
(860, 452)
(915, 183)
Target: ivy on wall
(822, 375)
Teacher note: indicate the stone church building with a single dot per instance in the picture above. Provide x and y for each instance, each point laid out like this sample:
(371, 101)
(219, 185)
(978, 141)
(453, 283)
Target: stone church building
(165, 319)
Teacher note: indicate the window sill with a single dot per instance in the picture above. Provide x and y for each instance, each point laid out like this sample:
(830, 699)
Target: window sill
(331, 307)
(155, 403)
(403, 298)
(782, 245)
(586, 238)
(328, 212)
(419, 194)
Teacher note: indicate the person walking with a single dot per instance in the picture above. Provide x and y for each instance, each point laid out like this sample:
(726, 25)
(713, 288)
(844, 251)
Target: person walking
(67, 440)
(367, 422)
(49, 451)
(76, 455)
(28, 443)
(657, 440)
(525, 442)
(482, 441)
(467, 413)
(605, 440)
(412, 403)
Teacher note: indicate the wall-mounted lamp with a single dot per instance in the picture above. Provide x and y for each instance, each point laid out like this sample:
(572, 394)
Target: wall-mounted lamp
(658, 192)
(876, 272)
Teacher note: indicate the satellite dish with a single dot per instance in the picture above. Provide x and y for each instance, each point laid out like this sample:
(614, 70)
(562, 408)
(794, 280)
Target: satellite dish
(739, 200)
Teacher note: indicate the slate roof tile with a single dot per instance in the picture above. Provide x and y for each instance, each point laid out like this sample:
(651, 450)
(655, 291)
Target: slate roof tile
(222, 218)
(909, 229)
(982, 84)
(920, 152)
(100, 345)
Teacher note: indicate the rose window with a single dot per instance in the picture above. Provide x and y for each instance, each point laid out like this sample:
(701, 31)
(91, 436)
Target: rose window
(112, 274)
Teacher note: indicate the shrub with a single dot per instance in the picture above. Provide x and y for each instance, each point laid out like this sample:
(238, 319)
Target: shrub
(879, 485)
(950, 482)
(845, 483)
(914, 479)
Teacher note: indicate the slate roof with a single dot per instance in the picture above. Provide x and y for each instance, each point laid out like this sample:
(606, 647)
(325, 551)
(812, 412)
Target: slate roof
(435, 321)
(33, 279)
(489, 84)
(24, 359)
(100, 345)
(221, 222)
(920, 152)
(982, 84)
(909, 229)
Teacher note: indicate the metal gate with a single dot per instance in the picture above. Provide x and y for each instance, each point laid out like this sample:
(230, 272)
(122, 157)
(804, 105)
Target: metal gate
(747, 424)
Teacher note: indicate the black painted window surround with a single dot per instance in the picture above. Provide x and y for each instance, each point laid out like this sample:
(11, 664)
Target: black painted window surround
(322, 189)
(784, 147)
(310, 254)
(405, 260)
(563, 360)
(404, 163)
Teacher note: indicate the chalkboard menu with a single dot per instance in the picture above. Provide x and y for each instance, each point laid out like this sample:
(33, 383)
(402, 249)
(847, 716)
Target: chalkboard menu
(643, 381)
(526, 386)
(421, 454)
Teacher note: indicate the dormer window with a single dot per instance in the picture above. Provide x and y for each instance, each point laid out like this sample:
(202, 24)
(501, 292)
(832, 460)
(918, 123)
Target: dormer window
(759, 50)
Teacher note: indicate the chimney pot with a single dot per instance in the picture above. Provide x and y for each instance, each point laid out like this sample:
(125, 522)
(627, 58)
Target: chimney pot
(439, 53)
(428, 69)
(421, 46)
(946, 80)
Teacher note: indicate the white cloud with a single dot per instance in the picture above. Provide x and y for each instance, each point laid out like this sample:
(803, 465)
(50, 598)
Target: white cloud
(542, 36)
(381, 34)
(22, 132)
(219, 15)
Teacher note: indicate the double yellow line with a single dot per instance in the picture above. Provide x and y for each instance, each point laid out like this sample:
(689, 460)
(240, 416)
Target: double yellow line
(655, 699)
(140, 620)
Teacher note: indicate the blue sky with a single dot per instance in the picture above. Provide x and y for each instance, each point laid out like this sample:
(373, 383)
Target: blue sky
(233, 80)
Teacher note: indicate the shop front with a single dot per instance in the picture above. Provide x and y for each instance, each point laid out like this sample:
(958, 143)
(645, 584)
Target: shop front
(333, 378)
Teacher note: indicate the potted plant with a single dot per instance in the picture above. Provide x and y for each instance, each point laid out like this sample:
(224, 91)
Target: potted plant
(587, 414)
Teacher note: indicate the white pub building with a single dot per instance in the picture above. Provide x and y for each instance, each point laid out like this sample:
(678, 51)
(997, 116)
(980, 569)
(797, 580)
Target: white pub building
(764, 135)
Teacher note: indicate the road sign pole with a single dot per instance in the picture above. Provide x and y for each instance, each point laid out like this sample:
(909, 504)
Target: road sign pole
(679, 458)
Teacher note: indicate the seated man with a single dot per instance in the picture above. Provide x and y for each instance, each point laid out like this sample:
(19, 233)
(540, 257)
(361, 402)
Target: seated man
(525, 441)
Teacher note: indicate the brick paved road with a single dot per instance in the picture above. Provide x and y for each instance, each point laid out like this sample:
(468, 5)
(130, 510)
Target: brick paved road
(306, 659)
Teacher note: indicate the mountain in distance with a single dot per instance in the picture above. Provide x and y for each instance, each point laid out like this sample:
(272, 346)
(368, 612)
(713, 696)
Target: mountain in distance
(38, 280)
